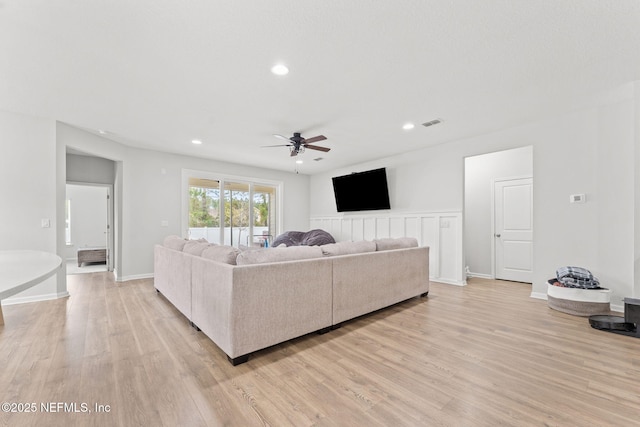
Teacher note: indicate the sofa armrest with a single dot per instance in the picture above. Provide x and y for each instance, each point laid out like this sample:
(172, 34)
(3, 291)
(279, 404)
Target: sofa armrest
(172, 277)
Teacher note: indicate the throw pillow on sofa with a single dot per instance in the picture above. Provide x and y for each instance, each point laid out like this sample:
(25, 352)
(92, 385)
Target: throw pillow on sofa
(174, 242)
(293, 253)
(397, 243)
(314, 237)
(288, 238)
(195, 247)
(221, 253)
(317, 237)
(348, 248)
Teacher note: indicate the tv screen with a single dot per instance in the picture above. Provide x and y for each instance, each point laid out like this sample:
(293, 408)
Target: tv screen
(362, 191)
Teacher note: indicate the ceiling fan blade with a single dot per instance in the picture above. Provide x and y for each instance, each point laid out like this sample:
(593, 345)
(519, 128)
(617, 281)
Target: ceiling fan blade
(279, 145)
(315, 139)
(281, 137)
(315, 147)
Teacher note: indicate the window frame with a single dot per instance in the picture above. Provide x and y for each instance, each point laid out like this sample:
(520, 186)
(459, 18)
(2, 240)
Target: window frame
(222, 180)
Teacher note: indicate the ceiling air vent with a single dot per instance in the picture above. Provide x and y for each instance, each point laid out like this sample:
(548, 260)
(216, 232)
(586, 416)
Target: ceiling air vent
(432, 122)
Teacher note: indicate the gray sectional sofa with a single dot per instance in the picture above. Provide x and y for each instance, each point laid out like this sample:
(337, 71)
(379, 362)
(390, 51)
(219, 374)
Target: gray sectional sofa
(250, 300)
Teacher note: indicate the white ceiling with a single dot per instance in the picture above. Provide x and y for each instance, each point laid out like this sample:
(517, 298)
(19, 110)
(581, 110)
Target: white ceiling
(159, 73)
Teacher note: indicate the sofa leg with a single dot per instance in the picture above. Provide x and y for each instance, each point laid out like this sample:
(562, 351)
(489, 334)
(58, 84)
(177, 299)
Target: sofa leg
(339, 325)
(425, 294)
(324, 330)
(238, 360)
(193, 325)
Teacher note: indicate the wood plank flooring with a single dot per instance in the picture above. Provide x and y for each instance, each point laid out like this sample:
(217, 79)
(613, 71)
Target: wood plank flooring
(482, 355)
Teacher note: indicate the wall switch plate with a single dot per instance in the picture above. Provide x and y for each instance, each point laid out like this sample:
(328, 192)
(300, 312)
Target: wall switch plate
(45, 223)
(164, 223)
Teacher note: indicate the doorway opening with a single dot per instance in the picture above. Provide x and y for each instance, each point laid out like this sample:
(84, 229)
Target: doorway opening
(88, 226)
(498, 215)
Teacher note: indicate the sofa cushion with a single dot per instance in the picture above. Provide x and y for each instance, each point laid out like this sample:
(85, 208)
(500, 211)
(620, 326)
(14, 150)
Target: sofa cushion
(397, 243)
(195, 247)
(174, 242)
(266, 255)
(221, 253)
(347, 248)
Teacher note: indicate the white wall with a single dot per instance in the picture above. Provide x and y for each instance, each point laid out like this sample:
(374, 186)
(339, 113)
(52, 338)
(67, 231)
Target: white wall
(588, 151)
(28, 193)
(88, 217)
(480, 173)
(149, 187)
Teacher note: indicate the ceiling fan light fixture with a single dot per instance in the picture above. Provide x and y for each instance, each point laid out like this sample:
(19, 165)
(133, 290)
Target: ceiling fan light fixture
(280, 70)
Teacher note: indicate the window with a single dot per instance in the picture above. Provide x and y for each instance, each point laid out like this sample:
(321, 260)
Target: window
(231, 210)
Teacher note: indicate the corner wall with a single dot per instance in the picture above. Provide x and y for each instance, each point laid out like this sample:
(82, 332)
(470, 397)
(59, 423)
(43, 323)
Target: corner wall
(28, 189)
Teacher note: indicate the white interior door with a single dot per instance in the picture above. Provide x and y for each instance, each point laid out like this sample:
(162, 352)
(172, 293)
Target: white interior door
(513, 229)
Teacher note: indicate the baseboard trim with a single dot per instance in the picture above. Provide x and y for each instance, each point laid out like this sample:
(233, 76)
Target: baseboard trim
(132, 277)
(447, 281)
(539, 295)
(35, 298)
(480, 275)
(617, 308)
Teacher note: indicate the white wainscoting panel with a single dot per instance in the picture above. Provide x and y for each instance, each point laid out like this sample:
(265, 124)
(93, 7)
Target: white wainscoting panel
(441, 231)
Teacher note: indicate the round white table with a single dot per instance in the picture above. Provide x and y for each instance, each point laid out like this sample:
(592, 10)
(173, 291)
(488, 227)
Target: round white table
(20, 270)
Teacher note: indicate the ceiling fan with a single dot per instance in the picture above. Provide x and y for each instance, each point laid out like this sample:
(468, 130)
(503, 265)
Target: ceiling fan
(297, 144)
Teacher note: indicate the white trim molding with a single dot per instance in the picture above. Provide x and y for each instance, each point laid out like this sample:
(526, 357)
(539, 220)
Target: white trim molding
(441, 231)
(35, 298)
(131, 277)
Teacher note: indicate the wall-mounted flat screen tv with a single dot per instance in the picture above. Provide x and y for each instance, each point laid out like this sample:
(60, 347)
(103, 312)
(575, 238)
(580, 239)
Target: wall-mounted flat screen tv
(362, 191)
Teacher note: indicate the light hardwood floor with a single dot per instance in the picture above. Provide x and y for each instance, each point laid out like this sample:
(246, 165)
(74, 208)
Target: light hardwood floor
(481, 355)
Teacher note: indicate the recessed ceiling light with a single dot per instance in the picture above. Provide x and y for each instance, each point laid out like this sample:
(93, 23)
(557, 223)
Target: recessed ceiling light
(280, 70)
(196, 141)
(299, 162)
(408, 126)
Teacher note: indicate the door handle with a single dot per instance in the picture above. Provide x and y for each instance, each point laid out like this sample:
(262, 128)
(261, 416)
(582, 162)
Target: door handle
(497, 235)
